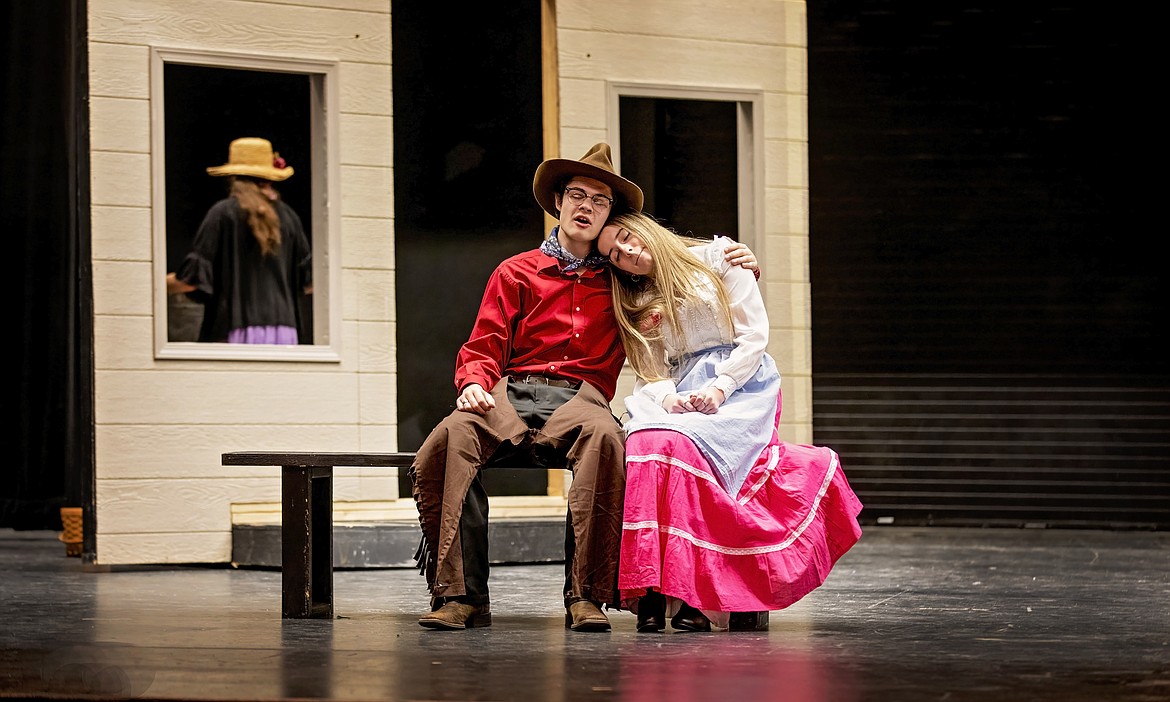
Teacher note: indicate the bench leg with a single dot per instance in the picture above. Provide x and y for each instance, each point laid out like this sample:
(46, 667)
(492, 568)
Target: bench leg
(307, 542)
(322, 544)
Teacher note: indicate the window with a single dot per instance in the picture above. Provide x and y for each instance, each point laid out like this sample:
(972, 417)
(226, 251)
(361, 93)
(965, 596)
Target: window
(696, 155)
(201, 102)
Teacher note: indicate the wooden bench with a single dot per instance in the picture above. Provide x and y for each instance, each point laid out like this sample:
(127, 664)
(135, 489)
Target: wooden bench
(306, 527)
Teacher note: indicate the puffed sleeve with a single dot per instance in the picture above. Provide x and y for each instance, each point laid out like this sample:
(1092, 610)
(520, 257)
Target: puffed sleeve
(655, 392)
(302, 253)
(198, 268)
(750, 318)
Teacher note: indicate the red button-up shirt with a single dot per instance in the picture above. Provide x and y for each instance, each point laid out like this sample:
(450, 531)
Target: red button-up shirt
(534, 319)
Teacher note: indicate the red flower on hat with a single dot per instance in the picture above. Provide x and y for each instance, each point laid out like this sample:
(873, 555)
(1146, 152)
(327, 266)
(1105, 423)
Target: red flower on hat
(277, 161)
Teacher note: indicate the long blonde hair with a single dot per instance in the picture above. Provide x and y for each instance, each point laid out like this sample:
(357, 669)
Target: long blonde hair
(678, 278)
(262, 217)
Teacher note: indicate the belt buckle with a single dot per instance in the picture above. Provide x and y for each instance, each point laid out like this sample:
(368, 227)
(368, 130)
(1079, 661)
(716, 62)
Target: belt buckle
(536, 380)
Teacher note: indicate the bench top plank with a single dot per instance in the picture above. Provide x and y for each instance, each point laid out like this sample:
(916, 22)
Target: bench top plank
(318, 459)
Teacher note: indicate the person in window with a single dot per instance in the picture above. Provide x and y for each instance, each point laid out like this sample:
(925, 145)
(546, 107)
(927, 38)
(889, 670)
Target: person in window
(534, 382)
(720, 515)
(250, 260)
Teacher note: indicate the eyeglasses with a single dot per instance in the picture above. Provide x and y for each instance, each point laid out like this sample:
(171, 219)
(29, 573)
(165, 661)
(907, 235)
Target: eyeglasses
(577, 196)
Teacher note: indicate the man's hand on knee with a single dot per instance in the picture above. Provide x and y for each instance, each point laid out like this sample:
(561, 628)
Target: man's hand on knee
(475, 399)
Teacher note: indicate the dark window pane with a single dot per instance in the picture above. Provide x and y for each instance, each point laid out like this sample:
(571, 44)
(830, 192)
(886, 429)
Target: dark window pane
(682, 153)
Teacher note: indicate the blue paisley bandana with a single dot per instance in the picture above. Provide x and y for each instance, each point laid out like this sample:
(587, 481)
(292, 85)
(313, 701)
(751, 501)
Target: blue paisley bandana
(552, 247)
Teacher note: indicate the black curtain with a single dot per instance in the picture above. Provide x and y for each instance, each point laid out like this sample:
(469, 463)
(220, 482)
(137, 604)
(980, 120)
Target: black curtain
(45, 191)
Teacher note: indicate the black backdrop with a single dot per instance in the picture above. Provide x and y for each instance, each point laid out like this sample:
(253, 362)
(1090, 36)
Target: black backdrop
(978, 191)
(45, 190)
(988, 300)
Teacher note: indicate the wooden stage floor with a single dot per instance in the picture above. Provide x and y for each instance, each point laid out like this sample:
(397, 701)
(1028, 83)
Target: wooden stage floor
(909, 614)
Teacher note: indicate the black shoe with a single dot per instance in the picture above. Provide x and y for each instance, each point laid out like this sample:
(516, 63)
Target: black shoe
(652, 612)
(690, 619)
(748, 621)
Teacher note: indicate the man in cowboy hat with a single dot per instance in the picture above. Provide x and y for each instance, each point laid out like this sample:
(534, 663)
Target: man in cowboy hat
(535, 380)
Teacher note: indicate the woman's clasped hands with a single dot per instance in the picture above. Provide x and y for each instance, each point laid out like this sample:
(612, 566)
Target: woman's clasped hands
(706, 401)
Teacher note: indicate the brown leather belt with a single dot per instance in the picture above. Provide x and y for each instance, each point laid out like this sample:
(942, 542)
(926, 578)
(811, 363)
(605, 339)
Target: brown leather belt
(543, 380)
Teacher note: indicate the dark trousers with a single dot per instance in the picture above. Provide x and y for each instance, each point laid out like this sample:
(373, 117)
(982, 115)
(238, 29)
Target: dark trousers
(534, 404)
(473, 533)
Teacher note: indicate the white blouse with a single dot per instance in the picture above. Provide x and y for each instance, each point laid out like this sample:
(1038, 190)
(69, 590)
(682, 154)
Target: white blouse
(704, 326)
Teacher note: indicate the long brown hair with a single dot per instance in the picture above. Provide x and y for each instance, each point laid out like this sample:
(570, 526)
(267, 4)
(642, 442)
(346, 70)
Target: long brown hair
(262, 217)
(644, 304)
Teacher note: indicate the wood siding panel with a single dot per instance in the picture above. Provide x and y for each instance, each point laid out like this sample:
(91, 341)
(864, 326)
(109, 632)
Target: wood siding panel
(243, 26)
(121, 179)
(665, 59)
(375, 296)
(378, 437)
(123, 342)
(753, 22)
(377, 348)
(129, 506)
(365, 143)
(787, 211)
(188, 547)
(122, 288)
(367, 192)
(366, 89)
(248, 395)
(786, 116)
(121, 233)
(120, 124)
(119, 70)
(170, 420)
(136, 451)
(367, 243)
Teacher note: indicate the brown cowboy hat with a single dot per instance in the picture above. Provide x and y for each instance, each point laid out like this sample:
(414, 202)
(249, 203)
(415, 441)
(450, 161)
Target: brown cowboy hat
(252, 156)
(552, 175)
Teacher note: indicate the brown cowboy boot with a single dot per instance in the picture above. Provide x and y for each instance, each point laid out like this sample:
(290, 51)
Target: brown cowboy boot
(584, 615)
(458, 615)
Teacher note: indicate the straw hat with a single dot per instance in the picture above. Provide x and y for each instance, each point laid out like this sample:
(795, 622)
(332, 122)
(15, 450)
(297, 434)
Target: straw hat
(252, 156)
(552, 175)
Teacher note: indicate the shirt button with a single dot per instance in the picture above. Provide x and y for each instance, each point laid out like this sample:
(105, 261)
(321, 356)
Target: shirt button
(578, 309)
(552, 368)
(576, 336)
(565, 358)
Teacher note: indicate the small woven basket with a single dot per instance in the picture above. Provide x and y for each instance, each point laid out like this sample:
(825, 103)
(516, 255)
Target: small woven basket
(71, 536)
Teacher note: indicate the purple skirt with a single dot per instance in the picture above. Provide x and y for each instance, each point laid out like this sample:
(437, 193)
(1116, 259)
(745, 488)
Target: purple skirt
(263, 335)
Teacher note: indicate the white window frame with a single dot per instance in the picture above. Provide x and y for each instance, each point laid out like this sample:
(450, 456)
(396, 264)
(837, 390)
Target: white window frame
(325, 191)
(749, 142)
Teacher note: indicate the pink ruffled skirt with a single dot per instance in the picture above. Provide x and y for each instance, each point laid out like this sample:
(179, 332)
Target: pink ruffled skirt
(763, 549)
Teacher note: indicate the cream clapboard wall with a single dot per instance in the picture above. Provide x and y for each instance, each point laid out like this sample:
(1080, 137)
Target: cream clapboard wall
(758, 45)
(162, 495)
(161, 426)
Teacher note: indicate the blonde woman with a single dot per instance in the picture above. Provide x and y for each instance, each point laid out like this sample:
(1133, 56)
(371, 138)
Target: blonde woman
(720, 516)
(250, 260)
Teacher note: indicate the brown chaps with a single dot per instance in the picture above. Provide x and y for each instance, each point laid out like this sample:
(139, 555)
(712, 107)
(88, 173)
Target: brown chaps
(581, 435)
